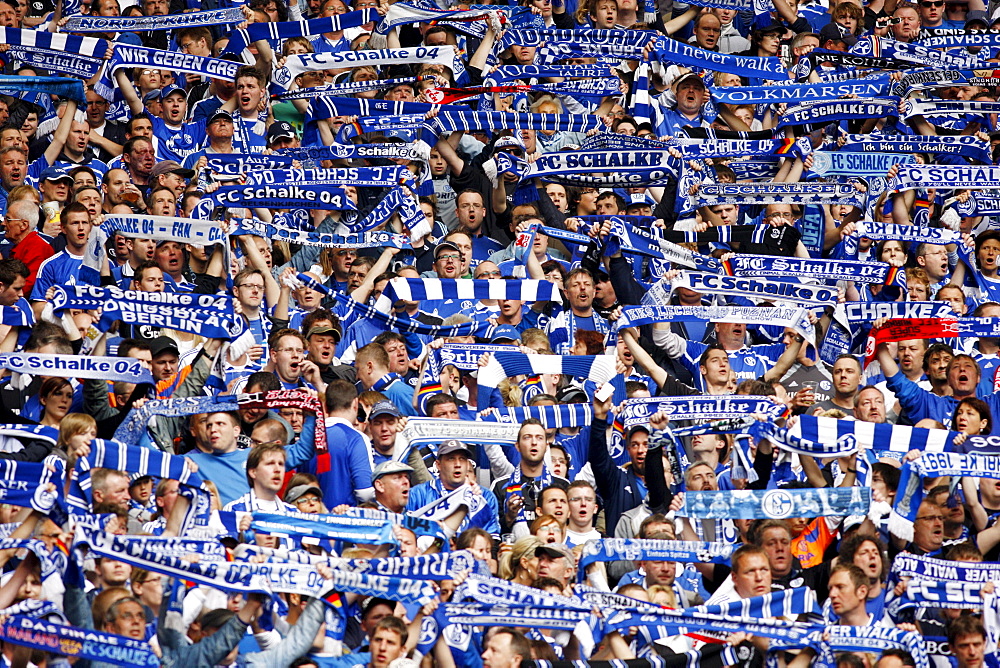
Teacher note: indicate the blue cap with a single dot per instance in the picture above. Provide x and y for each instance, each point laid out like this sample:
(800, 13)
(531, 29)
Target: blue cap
(504, 333)
(151, 96)
(171, 89)
(640, 200)
(55, 174)
(384, 408)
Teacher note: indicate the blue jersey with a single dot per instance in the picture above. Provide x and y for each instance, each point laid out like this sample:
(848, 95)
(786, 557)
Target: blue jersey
(350, 470)
(747, 363)
(62, 269)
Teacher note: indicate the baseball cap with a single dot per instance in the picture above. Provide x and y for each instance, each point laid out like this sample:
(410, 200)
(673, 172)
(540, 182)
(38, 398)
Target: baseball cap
(453, 445)
(689, 76)
(295, 493)
(504, 333)
(280, 130)
(162, 344)
(508, 142)
(639, 199)
(166, 91)
(445, 245)
(325, 329)
(837, 33)
(136, 478)
(390, 467)
(554, 550)
(220, 114)
(384, 408)
(55, 174)
(169, 167)
(151, 96)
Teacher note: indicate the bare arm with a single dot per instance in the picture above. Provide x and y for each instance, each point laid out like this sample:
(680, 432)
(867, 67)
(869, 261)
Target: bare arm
(61, 134)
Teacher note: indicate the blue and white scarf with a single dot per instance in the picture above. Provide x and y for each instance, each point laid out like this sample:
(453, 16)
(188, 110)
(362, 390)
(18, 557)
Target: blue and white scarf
(636, 549)
(241, 39)
(238, 164)
(908, 565)
(710, 194)
(133, 427)
(946, 177)
(967, 146)
(77, 366)
(456, 119)
(873, 436)
(885, 231)
(398, 200)
(347, 88)
(671, 51)
(838, 110)
(551, 417)
(698, 407)
(754, 288)
(25, 484)
(285, 196)
(800, 92)
(166, 228)
(597, 368)
(140, 56)
(330, 527)
(779, 316)
(911, 483)
(785, 603)
(839, 163)
(638, 241)
(784, 439)
(346, 152)
(310, 62)
(56, 52)
(827, 270)
(402, 323)
(511, 72)
(376, 177)
(777, 503)
(77, 642)
(635, 168)
(722, 148)
(442, 566)
(19, 86)
(213, 17)
(420, 289)
(210, 316)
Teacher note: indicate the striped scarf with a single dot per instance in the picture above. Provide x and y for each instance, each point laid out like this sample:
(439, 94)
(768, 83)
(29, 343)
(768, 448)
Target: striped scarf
(140, 56)
(152, 23)
(596, 368)
(777, 503)
(420, 289)
(241, 39)
(56, 52)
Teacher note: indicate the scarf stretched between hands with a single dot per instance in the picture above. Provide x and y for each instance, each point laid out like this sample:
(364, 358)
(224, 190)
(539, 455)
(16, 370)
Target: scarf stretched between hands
(283, 196)
(166, 228)
(241, 39)
(966, 146)
(347, 151)
(427, 433)
(510, 72)
(638, 241)
(207, 315)
(26, 484)
(75, 366)
(635, 168)
(979, 205)
(458, 119)
(152, 23)
(374, 177)
(854, 639)
(786, 440)
(800, 92)
(380, 239)
(711, 194)
(71, 89)
(347, 88)
(754, 288)
(597, 368)
(670, 51)
(929, 328)
(935, 594)
(579, 88)
(402, 323)
(636, 549)
(911, 484)
(329, 527)
(56, 52)
(142, 56)
(884, 231)
(486, 589)
(909, 565)
(777, 503)
(838, 110)
(310, 62)
(551, 417)
(948, 108)
(699, 407)
(780, 316)
(946, 177)
(828, 270)
(420, 289)
(724, 148)
(76, 642)
(872, 436)
(239, 164)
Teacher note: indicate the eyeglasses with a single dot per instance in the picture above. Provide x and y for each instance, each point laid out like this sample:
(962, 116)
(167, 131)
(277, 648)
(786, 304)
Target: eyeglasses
(251, 286)
(931, 518)
(293, 351)
(449, 256)
(306, 499)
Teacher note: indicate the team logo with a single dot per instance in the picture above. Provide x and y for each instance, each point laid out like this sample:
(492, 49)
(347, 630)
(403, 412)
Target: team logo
(777, 504)
(282, 76)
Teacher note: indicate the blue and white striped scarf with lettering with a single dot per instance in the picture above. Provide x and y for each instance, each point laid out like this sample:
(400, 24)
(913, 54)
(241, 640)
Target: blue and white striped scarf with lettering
(597, 368)
(56, 52)
(126, 55)
(241, 39)
(212, 17)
